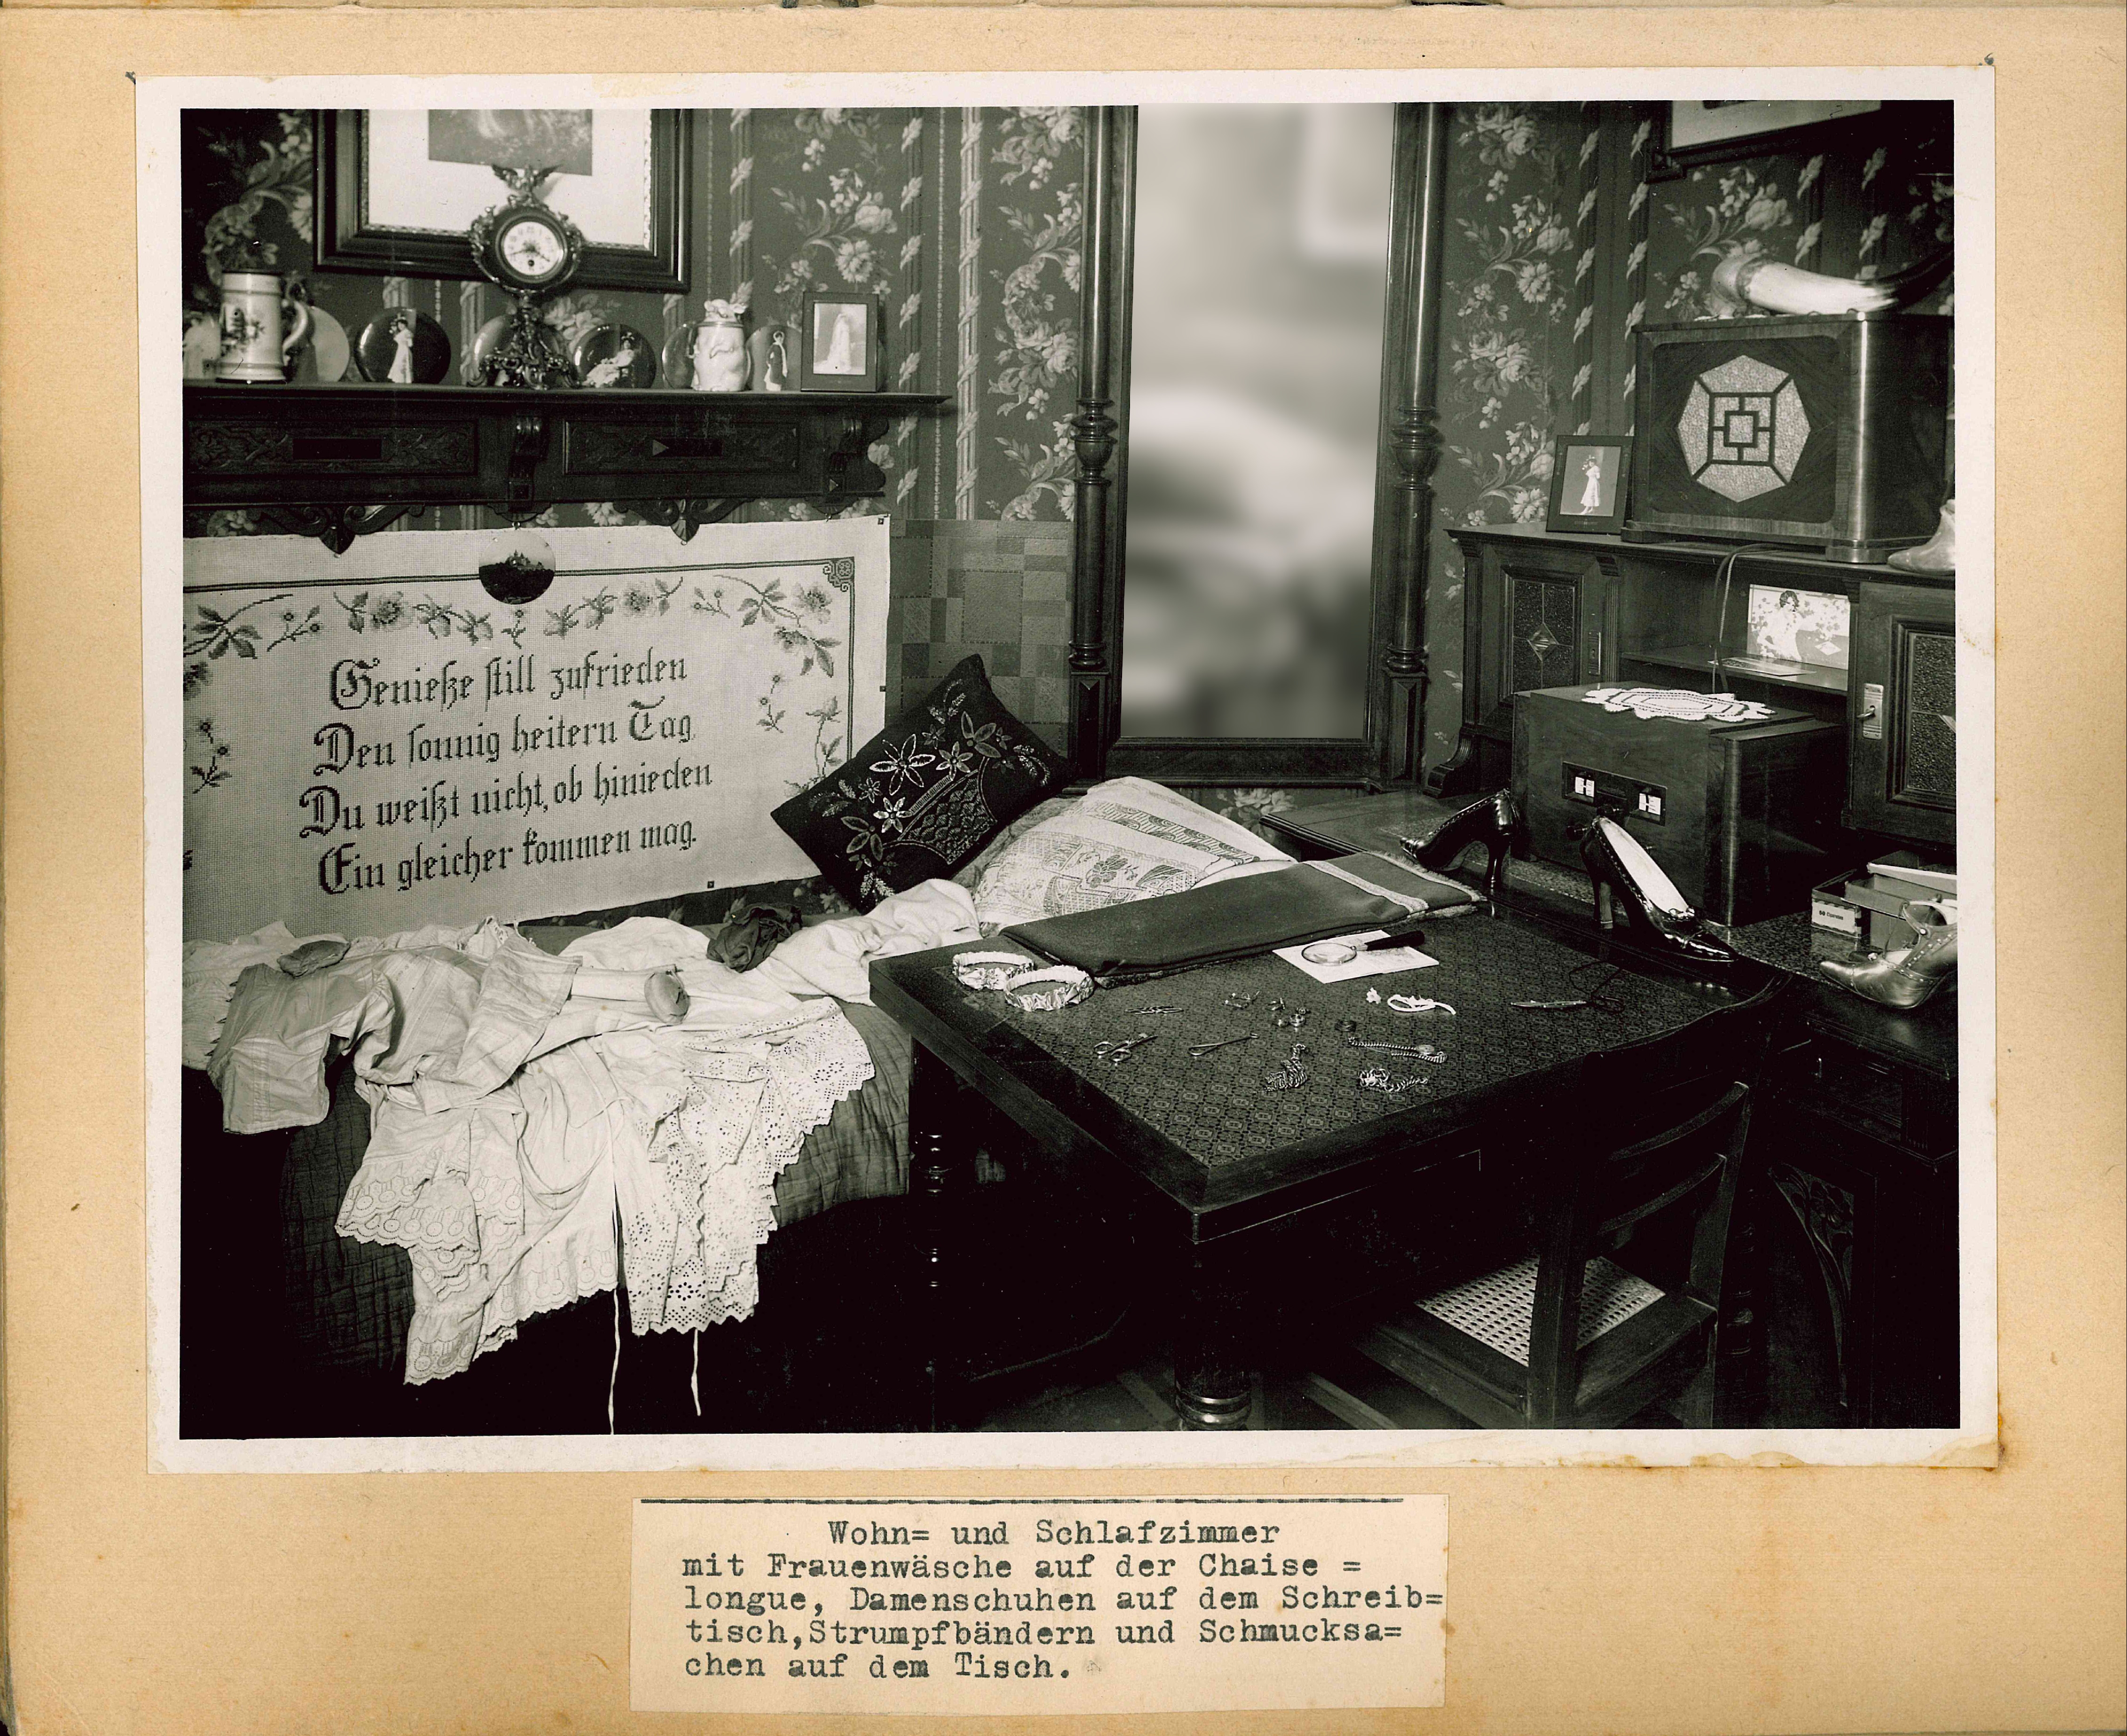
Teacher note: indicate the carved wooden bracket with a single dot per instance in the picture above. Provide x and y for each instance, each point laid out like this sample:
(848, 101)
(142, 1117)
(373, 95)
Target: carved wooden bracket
(851, 473)
(687, 515)
(336, 527)
(528, 446)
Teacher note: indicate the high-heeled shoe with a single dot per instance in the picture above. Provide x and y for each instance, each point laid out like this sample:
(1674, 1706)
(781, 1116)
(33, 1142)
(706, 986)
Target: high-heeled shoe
(1907, 977)
(1629, 881)
(1492, 821)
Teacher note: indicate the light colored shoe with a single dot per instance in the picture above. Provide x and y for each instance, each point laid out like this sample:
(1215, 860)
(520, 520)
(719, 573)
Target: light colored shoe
(1905, 978)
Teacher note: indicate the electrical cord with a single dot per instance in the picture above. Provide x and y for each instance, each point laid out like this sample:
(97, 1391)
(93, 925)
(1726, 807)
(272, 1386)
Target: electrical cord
(1725, 578)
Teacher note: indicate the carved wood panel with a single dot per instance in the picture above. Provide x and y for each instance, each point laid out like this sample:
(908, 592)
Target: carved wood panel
(337, 446)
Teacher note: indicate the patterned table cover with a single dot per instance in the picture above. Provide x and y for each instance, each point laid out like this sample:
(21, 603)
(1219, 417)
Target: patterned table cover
(1218, 1111)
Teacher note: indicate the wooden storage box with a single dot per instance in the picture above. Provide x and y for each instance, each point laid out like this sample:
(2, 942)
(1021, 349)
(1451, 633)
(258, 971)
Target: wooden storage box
(1827, 433)
(1741, 816)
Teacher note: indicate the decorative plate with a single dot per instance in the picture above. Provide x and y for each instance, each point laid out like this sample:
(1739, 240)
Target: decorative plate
(324, 355)
(615, 355)
(404, 347)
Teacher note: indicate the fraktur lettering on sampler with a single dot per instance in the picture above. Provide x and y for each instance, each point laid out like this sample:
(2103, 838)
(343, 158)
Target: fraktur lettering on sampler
(373, 742)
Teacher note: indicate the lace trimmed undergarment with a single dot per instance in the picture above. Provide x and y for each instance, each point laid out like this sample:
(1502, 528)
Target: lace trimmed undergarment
(657, 1148)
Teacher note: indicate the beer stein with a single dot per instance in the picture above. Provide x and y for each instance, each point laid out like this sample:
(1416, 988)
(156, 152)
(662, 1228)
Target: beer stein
(257, 342)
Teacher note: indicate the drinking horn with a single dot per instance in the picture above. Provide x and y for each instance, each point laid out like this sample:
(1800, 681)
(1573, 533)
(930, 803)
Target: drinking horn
(1745, 282)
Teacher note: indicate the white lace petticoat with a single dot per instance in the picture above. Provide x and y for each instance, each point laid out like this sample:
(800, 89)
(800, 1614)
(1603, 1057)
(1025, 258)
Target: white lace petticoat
(650, 1152)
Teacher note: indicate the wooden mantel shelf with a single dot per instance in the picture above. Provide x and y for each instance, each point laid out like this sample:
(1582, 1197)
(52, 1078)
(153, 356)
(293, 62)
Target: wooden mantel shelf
(335, 461)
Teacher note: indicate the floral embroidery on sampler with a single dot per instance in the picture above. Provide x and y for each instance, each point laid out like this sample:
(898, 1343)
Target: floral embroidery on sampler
(373, 741)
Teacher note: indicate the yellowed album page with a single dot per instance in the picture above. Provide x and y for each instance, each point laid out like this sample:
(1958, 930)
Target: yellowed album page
(1962, 1575)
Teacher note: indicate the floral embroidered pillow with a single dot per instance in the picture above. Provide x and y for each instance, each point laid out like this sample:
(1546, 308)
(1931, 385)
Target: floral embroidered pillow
(924, 796)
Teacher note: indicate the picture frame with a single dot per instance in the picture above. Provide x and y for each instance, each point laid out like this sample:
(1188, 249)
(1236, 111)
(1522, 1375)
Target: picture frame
(396, 190)
(1575, 486)
(840, 345)
(1687, 134)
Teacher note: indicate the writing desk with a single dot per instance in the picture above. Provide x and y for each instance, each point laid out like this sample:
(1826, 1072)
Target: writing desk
(1255, 1204)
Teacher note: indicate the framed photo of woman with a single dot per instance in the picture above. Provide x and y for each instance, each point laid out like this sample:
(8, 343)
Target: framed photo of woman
(1588, 477)
(840, 351)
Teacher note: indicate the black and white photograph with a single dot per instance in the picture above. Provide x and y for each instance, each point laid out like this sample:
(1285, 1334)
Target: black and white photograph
(1588, 482)
(1301, 800)
(842, 344)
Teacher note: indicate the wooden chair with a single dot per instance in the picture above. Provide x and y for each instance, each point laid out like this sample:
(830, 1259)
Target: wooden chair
(1638, 1161)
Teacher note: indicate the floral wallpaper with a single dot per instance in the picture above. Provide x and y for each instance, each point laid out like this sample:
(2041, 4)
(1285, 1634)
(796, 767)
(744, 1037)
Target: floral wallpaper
(1514, 264)
(1859, 216)
(964, 223)
(1546, 284)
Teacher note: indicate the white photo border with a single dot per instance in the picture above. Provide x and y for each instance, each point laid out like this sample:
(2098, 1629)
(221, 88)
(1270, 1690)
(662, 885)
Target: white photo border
(160, 103)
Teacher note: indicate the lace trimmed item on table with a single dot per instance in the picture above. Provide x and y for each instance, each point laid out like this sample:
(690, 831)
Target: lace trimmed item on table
(1680, 705)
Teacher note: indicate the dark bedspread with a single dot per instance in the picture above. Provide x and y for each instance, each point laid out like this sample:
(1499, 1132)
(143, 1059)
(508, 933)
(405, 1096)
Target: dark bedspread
(348, 1302)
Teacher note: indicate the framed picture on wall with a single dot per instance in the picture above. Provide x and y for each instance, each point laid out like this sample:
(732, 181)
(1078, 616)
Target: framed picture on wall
(841, 345)
(1587, 476)
(1689, 134)
(397, 189)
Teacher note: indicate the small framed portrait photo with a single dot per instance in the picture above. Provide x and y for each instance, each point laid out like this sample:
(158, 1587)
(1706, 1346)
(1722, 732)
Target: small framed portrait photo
(1588, 477)
(841, 349)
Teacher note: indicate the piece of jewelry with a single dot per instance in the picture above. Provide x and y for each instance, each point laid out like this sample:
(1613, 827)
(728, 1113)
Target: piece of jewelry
(1347, 1027)
(1417, 1051)
(1198, 1051)
(1548, 1006)
(1290, 1018)
(1420, 1006)
(1330, 952)
(1373, 997)
(1049, 990)
(1388, 1084)
(1143, 1010)
(989, 969)
(1240, 1001)
(1116, 1051)
(1288, 1074)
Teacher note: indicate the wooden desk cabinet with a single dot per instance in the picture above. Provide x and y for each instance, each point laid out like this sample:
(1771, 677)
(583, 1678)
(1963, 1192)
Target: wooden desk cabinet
(1543, 610)
(1854, 1145)
(1853, 1153)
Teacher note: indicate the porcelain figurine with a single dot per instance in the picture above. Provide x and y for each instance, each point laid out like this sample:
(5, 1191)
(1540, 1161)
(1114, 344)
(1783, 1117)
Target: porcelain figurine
(770, 348)
(721, 361)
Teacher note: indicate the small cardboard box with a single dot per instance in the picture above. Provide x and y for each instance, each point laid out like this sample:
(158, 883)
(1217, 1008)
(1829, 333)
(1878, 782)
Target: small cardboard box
(1849, 904)
(1830, 908)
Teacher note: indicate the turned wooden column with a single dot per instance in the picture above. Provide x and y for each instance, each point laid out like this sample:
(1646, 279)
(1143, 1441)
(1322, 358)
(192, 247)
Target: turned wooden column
(1410, 408)
(1095, 575)
(1214, 1363)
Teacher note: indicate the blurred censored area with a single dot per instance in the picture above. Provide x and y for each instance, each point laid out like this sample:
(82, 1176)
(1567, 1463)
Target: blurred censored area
(1260, 274)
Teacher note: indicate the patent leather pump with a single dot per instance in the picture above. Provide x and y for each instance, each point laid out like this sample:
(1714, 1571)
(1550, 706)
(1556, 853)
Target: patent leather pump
(1492, 821)
(1910, 975)
(1630, 884)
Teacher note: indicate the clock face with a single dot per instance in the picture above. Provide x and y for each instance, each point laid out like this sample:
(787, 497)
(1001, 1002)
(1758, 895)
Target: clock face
(531, 250)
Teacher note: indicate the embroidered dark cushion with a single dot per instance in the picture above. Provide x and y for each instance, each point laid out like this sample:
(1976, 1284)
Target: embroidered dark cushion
(921, 798)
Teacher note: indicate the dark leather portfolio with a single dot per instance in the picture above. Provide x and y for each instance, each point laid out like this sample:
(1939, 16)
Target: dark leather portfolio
(1238, 919)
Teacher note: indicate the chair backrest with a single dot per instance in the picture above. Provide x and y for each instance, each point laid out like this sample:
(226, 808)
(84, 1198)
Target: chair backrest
(1651, 1132)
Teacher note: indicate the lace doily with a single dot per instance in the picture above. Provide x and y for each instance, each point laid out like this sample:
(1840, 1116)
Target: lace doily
(1678, 704)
